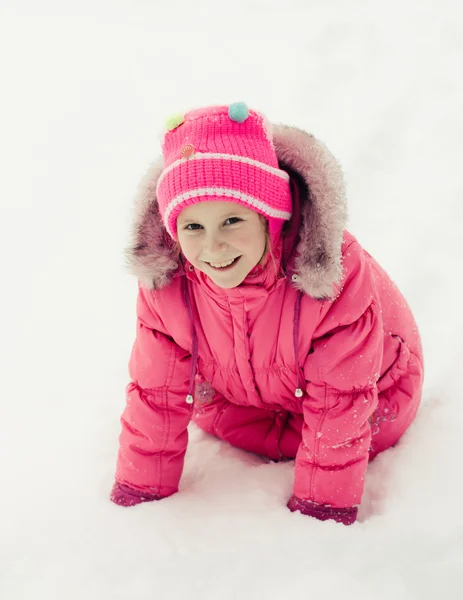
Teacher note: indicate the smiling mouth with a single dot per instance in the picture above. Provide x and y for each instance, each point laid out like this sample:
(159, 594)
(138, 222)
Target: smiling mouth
(224, 265)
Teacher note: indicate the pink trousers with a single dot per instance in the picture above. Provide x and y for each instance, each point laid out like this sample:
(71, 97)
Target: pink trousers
(277, 434)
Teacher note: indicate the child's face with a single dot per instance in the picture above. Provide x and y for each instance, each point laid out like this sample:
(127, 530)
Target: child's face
(211, 234)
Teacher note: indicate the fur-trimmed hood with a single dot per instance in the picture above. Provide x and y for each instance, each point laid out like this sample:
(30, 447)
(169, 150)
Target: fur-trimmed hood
(312, 238)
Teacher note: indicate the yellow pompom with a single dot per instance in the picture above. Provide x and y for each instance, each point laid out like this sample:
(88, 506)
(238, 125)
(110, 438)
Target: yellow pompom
(174, 121)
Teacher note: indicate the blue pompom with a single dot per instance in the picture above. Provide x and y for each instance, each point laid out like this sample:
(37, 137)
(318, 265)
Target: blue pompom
(238, 112)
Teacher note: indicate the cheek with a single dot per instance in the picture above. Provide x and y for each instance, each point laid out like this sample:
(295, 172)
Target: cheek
(249, 239)
(254, 244)
(188, 247)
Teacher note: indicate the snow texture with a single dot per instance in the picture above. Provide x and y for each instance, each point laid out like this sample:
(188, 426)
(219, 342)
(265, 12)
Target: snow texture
(86, 87)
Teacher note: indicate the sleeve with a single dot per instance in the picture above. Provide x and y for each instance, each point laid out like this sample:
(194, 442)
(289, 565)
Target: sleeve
(154, 433)
(341, 372)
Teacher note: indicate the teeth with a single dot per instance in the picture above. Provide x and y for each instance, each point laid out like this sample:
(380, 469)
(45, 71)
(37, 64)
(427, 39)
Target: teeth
(222, 265)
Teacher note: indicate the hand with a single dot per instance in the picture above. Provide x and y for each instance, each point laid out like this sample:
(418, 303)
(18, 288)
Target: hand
(123, 495)
(347, 516)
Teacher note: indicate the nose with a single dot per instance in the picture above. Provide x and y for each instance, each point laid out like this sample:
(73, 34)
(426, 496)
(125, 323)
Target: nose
(214, 245)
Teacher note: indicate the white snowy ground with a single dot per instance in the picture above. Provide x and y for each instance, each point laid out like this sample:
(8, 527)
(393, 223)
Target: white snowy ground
(85, 88)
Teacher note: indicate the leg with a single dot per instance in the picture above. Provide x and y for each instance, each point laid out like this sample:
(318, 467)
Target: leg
(276, 434)
(398, 401)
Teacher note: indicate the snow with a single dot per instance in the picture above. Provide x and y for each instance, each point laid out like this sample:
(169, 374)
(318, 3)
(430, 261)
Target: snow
(85, 89)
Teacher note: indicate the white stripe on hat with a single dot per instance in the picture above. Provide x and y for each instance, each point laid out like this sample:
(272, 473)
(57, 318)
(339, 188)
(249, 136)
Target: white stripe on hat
(233, 157)
(227, 193)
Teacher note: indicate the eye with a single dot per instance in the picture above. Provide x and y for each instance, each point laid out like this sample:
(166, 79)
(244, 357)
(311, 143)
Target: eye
(232, 221)
(193, 227)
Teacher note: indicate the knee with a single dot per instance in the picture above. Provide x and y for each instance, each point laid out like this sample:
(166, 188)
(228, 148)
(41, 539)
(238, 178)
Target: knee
(206, 415)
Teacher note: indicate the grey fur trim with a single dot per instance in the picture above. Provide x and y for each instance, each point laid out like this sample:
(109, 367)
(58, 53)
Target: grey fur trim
(153, 256)
(324, 211)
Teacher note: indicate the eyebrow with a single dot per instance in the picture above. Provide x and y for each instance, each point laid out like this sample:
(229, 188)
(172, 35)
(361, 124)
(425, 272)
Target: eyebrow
(223, 217)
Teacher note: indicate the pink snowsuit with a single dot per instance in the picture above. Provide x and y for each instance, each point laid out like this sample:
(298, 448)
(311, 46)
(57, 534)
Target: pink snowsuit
(316, 356)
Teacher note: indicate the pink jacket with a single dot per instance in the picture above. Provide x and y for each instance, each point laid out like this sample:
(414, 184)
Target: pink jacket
(326, 336)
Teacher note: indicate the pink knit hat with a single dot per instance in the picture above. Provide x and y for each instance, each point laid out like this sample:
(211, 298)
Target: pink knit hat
(222, 153)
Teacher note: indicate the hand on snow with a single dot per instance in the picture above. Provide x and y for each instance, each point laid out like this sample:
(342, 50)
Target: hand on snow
(347, 516)
(123, 495)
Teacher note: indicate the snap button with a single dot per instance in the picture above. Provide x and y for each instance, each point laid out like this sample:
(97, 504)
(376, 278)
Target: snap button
(294, 277)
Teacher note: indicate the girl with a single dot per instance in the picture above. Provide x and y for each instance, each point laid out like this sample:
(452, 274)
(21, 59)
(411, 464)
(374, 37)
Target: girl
(260, 317)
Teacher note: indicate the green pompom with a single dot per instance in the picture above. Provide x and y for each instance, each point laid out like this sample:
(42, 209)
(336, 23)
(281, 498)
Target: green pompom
(238, 112)
(174, 121)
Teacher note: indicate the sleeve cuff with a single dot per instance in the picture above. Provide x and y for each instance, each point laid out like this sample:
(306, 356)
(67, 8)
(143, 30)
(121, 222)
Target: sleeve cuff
(347, 516)
(123, 495)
